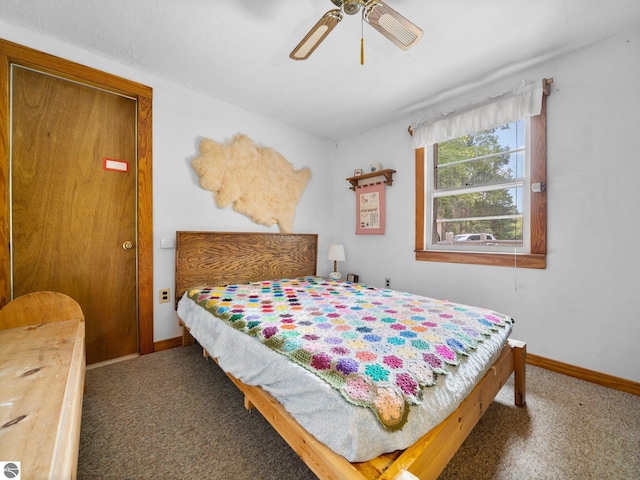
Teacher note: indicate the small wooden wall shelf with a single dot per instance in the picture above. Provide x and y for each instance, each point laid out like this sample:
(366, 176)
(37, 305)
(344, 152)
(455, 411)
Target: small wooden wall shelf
(387, 174)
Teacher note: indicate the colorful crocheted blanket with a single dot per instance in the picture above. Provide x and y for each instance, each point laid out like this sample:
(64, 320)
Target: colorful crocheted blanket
(377, 347)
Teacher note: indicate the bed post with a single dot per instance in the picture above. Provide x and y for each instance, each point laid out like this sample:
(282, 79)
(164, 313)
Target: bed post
(519, 366)
(187, 339)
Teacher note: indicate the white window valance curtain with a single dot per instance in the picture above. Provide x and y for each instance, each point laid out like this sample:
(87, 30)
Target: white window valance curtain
(520, 101)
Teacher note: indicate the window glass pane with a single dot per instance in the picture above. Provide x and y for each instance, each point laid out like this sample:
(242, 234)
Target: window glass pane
(511, 135)
(496, 212)
(483, 158)
(477, 172)
(510, 233)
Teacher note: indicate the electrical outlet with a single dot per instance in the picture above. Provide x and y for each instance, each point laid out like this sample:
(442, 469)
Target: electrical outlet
(165, 295)
(387, 282)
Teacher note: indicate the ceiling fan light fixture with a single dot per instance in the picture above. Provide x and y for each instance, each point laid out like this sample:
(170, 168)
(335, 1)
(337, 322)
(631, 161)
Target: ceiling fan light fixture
(316, 35)
(351, 7)
(391, 24)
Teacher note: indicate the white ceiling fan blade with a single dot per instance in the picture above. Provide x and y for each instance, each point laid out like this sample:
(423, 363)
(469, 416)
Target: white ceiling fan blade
(391, 24)
(316, 35)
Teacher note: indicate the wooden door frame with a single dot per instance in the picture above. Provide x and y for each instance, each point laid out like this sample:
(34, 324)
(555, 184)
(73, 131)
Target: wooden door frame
(12, 53)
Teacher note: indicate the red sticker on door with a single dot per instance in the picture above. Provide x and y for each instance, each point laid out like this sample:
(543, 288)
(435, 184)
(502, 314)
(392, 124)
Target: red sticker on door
(115, 165)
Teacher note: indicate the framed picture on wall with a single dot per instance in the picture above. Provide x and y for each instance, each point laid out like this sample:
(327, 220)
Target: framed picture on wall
(357, 172)
(370, 211)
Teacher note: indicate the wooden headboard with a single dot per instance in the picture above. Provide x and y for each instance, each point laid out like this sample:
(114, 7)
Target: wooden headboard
(223, 258)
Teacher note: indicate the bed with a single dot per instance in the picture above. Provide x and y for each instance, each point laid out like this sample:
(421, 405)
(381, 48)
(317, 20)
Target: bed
(211, 264)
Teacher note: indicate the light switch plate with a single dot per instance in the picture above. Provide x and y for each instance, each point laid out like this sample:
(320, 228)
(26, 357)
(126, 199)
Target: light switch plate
(167, 243)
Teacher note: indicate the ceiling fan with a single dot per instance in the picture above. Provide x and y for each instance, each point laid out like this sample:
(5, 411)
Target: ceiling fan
(375, 12)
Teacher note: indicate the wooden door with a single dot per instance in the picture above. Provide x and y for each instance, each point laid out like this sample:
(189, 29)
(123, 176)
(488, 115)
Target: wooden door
(73, 203)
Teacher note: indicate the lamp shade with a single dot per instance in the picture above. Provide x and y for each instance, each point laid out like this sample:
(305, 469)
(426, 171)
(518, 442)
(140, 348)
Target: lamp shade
(336, 252)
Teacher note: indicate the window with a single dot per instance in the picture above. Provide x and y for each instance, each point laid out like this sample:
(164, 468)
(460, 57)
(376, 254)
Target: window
(480, 195)
(476, 197)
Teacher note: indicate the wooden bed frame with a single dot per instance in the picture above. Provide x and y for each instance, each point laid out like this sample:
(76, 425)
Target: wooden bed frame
(221, 258)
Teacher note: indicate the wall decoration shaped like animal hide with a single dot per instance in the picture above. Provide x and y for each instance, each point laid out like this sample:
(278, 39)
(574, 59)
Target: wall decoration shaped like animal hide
(258, 181)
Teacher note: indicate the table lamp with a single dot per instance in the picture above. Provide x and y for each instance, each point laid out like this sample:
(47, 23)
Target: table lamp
(336, 253)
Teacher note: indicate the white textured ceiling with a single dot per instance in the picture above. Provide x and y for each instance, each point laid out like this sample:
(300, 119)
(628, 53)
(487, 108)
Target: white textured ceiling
(238, 50)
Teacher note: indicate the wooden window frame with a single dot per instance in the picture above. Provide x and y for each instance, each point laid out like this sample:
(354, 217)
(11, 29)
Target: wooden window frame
(537, 256)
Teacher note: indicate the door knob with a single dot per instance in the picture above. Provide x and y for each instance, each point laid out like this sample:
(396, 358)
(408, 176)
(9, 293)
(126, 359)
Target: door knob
(128, 245)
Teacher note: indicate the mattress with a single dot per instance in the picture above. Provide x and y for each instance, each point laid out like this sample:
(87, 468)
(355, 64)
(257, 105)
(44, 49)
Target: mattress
(317, 405)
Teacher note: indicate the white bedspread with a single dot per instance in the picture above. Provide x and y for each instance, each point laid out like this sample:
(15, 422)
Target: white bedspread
(349, 430)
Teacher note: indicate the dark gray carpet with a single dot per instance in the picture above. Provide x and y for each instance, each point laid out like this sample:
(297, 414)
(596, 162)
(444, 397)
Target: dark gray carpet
(173, 414)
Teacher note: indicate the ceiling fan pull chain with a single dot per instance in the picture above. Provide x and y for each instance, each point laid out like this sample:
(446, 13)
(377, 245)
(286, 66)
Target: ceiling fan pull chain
(362, 39)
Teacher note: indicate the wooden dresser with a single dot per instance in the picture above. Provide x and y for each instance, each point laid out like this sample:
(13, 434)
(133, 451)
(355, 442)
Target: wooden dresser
(42, 371)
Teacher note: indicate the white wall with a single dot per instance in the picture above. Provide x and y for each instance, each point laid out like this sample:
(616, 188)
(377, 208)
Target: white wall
(180, 119)
(584, 308)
